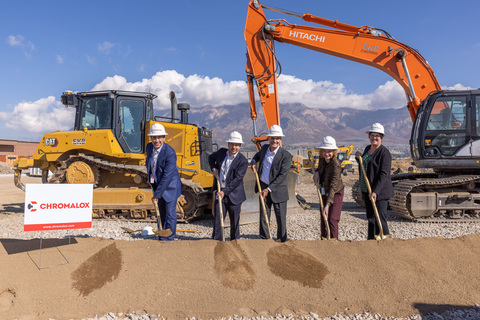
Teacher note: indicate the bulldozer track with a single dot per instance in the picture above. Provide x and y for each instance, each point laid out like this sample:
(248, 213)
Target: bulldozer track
(197, 196)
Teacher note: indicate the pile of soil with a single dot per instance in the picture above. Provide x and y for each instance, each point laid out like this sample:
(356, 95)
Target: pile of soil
(207, 279)
(5, 168)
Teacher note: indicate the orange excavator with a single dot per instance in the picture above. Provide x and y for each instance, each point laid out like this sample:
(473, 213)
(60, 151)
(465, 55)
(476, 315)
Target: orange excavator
(446, 124)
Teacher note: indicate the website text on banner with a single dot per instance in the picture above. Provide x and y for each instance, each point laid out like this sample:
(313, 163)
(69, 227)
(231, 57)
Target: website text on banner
(58, 206)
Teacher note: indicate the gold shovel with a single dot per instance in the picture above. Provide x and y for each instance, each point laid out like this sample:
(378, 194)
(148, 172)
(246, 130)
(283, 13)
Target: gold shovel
(321, 212)
(380, 235)
(220, 208)
(262, 201)
(160, 232)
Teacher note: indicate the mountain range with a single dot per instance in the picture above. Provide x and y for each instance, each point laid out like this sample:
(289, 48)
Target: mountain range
(303, 125)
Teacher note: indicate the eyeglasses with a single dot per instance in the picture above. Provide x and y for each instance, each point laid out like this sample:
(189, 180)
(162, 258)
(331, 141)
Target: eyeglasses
(375, 136)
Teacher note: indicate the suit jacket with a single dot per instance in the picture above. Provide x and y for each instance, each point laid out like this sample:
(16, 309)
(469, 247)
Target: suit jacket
(278, 172)
(169, 186)
(234, 189)
(378, 172)
(333, 177)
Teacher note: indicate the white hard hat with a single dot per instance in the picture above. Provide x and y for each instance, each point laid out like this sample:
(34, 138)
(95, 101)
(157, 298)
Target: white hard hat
(157, 130)
(147, 231)
(275, 131)
(235, 137)
(377, 128)
(328, 143)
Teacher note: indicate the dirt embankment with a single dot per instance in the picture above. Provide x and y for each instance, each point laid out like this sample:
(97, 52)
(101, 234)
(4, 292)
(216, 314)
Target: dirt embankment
(5, 168)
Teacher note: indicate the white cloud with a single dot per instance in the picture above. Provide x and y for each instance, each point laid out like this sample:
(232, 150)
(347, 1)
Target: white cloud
(19, 41)
(43, 115)
(46, 114)
(105, 47)
(458, 86)
(59, 59)
(329, 95)
(202, 91)
(141, 68)
(90, 60)
(194, 89)
(15, 41)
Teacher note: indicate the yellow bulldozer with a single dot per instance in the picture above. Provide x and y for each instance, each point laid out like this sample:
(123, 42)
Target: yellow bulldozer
(107, 149)
(343, 156)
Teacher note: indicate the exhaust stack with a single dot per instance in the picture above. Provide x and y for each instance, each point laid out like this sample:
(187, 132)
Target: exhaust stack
(173, 101)
(184, 107)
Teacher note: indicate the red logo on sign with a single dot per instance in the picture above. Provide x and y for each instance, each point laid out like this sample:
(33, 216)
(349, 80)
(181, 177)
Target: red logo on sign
(31, 206)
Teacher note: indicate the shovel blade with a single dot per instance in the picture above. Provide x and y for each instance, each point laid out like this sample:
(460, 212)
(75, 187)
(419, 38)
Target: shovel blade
(129, 230)
(162, 233)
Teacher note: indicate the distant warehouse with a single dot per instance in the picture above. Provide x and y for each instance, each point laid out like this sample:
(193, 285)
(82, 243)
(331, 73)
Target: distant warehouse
(11, 150)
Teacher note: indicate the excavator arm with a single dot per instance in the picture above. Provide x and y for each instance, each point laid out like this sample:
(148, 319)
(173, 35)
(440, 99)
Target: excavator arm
(364, 44)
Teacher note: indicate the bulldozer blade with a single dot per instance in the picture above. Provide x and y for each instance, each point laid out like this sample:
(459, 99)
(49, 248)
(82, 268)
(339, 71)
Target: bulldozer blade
(251, 207)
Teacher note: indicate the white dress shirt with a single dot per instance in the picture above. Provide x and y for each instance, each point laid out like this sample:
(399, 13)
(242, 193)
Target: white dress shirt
(225, 167)
(267, 165)
(155, 154)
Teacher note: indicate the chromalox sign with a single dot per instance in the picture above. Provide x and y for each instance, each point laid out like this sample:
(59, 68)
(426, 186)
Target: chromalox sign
(58, 206)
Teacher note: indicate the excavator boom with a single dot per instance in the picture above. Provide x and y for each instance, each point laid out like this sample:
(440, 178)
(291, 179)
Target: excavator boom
(364, 44)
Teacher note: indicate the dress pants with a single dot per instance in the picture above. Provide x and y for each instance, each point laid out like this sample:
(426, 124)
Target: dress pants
(168, 216)
(234, 215)
(373, 228)
(333, 215)
(280, 209)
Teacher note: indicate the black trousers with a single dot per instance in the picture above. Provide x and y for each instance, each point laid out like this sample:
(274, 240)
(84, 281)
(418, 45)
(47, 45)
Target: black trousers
(234, 215)
(280, 209)
(373, 228)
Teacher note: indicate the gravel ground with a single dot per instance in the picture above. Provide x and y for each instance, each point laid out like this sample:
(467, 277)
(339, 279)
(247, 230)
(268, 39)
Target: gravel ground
(301, 225)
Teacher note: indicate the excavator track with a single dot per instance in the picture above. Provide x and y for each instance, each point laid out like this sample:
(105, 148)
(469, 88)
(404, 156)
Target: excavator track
(194, 203)
(401, 202)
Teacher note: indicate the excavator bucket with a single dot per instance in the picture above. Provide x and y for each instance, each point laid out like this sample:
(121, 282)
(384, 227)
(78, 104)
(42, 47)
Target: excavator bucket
(251, 207)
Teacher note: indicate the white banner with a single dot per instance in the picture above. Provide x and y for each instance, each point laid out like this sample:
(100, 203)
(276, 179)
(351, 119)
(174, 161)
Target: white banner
(58, 206)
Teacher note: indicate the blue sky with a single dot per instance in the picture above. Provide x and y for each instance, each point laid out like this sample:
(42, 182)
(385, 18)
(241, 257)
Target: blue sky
(197, 49)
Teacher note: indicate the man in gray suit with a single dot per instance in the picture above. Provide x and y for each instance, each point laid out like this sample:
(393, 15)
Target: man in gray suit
(273, 163)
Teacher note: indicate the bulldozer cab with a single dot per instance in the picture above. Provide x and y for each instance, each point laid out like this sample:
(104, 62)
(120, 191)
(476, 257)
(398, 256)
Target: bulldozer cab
(125, 113)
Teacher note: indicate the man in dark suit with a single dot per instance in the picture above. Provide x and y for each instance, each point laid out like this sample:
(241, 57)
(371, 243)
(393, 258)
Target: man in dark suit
(164, 178)
(230, 166)
(273, 163)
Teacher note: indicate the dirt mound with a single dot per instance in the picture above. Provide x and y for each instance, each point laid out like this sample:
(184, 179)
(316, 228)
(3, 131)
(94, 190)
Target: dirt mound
(101, 268)
(185, 279)
(5, 168)
(289, 263)
(233, 266)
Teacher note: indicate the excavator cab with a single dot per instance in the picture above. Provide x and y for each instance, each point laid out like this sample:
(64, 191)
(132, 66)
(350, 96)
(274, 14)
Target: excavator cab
(447, 127)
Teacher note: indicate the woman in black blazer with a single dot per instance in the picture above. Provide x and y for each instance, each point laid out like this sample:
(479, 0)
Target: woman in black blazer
(377, 162)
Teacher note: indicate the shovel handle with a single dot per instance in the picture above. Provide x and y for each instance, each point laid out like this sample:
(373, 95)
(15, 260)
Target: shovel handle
(321, 212)
(377, 216)
(220, 207)
(262, 201)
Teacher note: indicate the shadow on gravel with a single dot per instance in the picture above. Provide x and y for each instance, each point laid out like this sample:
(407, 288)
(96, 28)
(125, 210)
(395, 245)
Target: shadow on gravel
(13, 246)
(361, 216)
(13, 208)
(425, 308)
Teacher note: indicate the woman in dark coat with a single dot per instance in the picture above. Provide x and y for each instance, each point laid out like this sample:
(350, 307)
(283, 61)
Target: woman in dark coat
(329, 177)
(377, 162)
